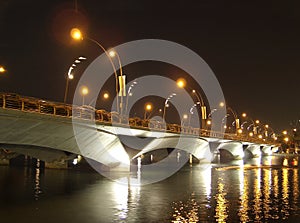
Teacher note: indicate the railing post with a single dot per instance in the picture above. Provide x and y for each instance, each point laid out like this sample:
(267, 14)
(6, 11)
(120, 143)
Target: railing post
(4, 101)
(54, 110)
(68, 112)
(22, 108)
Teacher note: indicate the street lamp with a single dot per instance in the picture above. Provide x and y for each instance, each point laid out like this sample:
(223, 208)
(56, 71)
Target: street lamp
(184, 117)
(2, 69)
(84, 91)
(129, 94)
(106, 95)
(167, 105)
(70, 75)
(77, 35)
(122, 78)
(148, 108)
(181, 83)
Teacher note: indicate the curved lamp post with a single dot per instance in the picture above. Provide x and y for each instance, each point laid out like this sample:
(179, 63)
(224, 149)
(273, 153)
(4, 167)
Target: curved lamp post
(167, 105)
(77, 35)
(70, 75)
(181, 83)
(129, 94)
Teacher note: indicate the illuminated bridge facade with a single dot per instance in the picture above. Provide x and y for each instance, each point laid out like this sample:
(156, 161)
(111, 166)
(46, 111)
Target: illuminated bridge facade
(45, 130)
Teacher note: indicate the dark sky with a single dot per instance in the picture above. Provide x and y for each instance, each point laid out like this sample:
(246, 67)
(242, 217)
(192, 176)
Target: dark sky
(252, 46)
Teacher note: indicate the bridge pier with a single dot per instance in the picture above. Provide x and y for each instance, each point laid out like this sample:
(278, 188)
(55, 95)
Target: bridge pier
(252, 151)
(231, 151)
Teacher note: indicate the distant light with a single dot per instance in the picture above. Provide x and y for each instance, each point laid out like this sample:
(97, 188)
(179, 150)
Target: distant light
(84, 90)
(267, 126)
(244, 115)
(240, 131)
(75, 161)
(208, 122)
(105, 95)
(295, 130)
(181, 82)
(82, 58)
(286, 139)
(148, 107)
(112, 53)
(260, 136)
(222, 104)
(284, 132)
(185, 116)
(250, 134)
(257, 121)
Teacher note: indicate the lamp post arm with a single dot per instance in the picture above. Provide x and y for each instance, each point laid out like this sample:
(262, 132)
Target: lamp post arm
(113, 66)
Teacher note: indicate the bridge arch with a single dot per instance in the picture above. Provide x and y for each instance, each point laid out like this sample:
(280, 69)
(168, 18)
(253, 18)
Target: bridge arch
(198, 147)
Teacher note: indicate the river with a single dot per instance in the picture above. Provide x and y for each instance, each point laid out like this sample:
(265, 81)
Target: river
(260, 190)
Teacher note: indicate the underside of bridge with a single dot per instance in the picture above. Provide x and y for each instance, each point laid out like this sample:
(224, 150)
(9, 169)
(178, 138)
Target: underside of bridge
(198, 147)
(231, 150)
(53, 139)
(252, 151)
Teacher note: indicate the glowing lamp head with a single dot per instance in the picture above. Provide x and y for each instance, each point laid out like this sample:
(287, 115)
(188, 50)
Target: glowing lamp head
(148, 107)
(112, 53)
(244, 115)
(71, 76)
(105, 95)
(2, 69)
(181, 82)
(76, 34)
(84, 90)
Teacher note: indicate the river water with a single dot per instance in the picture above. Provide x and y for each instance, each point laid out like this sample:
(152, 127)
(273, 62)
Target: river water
(260, 190)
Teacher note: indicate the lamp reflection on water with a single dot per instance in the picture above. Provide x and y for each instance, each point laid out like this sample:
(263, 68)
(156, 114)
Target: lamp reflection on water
(222, 203)
(257, 194)
(285, 193)
(37, 188)
(267, 192)
(244, 197)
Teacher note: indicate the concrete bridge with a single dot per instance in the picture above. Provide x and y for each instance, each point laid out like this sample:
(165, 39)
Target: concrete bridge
(56, 132)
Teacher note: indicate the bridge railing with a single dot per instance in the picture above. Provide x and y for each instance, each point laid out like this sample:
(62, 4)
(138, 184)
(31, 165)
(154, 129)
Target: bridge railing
(28, 104)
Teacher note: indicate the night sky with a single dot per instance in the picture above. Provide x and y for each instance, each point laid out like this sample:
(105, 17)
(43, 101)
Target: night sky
(252, 46)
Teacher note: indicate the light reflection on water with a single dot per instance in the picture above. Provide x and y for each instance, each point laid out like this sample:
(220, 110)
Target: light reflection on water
(236, 192)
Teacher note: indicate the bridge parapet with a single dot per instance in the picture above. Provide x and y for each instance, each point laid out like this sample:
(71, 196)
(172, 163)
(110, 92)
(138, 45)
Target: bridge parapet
(29, 104)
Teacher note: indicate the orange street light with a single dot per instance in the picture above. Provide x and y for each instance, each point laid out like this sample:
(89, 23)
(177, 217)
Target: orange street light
(2, 69)
(76, 34)
(84, 91)
(181, 82)
(106, 95)
(148, 108)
